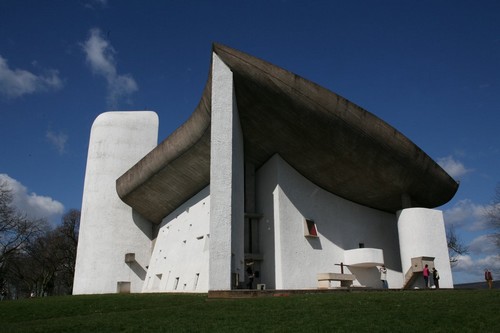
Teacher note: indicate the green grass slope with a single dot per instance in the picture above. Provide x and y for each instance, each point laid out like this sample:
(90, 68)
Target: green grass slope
(382, 311)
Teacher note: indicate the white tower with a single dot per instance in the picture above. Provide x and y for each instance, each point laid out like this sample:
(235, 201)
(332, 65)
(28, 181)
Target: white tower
(109, 229)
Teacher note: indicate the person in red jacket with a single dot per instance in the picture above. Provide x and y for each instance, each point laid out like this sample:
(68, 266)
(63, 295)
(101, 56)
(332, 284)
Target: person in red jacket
(426, 275)
(489, 278)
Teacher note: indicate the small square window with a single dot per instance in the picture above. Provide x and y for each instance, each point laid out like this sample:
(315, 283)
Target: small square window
(310, 229)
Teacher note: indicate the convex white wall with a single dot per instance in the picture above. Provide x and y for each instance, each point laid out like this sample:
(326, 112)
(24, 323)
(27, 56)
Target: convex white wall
(422, 233)
(109, 228)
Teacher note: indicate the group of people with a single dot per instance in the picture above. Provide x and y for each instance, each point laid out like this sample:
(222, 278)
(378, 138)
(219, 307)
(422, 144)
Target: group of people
(435, 276)
(426, 273)
(383, 276)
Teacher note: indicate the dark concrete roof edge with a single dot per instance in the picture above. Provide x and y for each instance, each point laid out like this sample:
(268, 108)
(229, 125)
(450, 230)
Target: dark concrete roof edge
(358, 118)
(405, 151)
(174, 146)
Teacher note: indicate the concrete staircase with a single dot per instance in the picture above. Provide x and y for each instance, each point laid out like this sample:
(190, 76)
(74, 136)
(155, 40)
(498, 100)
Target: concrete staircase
(417, 267)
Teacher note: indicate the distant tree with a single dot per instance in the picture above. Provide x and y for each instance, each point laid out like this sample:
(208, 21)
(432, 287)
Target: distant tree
(493, 214)
(33, 257)
(16, 231)
(46, 264)
(67, 242)
(32, 270)
(456, 248)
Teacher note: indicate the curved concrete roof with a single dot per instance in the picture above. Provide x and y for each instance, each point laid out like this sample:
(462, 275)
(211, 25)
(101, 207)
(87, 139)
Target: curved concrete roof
(334, 143)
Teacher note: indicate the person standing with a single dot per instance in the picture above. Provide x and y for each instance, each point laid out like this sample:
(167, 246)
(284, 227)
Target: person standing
(426, 275)
(250, 275)
(489, 278)
(435, 277)
(383, 277)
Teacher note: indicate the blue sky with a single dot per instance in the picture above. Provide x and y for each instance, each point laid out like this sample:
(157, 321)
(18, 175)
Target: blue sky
(431, 69)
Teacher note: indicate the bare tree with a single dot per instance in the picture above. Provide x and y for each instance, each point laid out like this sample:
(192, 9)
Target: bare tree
(32, 270)
(46, 264)
(456, 248)
(493, 214)
(67, 241)
(16, 231)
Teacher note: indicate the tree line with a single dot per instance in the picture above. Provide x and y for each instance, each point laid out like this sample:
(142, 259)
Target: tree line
(35, 259)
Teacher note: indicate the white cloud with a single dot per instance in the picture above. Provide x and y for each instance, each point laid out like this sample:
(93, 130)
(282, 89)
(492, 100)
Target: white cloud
(467, 213)
(468, 264)
(33, 205)
(464, 263)
(484, 244)
(453, 167)
(18, 82)
(100, 57)
(483, 221)
(483, 252)
(58, 140)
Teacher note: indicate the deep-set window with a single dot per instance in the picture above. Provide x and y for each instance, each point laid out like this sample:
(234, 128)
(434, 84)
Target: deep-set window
(310, 229)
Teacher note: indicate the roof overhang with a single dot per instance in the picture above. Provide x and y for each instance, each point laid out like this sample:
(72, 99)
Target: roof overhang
(334, 143)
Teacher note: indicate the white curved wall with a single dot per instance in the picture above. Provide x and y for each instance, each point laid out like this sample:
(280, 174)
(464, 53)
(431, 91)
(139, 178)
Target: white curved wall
(180, 257)
(290, 260)
(109, 229)
(422, 233)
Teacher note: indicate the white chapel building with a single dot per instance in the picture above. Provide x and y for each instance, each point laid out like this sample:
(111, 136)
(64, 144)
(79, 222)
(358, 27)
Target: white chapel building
(272, 178)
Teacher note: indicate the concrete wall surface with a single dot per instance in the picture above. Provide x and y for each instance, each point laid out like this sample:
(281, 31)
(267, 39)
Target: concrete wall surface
(285, 199)
(109, 228)
(226, 182)
(179, 262)
(422, 234)
(200, 245)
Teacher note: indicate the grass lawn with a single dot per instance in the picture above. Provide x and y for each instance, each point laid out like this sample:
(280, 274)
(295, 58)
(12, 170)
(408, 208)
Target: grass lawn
(355, 311)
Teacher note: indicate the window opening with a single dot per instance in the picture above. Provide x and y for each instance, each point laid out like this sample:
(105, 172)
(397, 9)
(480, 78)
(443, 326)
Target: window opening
(176, 282)
(196, 277)
(310, 228)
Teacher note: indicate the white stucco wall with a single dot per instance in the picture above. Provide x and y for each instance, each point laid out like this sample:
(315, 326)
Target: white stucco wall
(226, 181)
(179, 262)
(108, 228)
(291, 260)
(422, 233)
